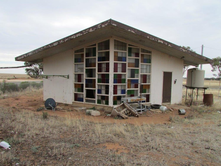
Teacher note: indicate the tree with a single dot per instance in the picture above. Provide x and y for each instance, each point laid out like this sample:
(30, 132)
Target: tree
(34, 70)
(216, 65)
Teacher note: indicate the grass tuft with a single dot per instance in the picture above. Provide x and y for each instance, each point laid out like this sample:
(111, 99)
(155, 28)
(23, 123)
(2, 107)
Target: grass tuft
(176, 119)
(44, 115)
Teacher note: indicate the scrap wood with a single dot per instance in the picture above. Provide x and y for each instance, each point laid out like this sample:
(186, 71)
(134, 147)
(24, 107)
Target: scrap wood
(132, 110)
(114, 112)
(123, 111)
(123, 115)
(170, 108)
(120, 107)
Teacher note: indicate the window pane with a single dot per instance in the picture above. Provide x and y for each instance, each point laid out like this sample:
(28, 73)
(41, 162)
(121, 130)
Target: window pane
(103, 45)
(118, 45)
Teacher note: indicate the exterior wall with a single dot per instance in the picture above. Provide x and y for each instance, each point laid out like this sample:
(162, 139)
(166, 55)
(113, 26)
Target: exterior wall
(165, 63)
(59, 88)
(63, 90)
(110, 72)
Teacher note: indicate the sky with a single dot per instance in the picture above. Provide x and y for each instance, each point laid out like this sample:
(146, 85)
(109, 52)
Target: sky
(29, 24)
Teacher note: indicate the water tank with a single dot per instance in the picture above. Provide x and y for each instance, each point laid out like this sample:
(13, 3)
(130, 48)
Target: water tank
(195, 78)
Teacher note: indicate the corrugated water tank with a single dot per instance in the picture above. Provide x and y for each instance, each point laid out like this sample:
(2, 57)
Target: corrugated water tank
(195, 78)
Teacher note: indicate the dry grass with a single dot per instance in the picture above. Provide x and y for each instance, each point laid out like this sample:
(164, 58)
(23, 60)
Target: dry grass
(27, 92)
(213, 88)
(65, 141)
(207, 83)
(195, 140)
(13, 76)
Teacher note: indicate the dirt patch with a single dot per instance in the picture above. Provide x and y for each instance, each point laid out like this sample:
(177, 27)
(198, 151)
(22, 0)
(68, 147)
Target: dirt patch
(70, 137)
(33, 102)
(115, 147)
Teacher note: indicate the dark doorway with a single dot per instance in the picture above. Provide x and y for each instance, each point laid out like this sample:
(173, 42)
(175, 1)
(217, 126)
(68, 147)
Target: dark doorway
(167, 80)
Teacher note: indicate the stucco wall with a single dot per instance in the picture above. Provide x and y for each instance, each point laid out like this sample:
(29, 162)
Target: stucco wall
(165, 63)
(59, 88)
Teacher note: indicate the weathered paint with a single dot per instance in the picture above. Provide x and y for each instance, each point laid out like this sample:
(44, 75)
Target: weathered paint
(64, 40)
(119, 26)
(59, 88)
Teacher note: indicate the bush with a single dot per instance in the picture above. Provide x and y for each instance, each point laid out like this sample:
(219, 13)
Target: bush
(45, 115)
(37, 85)
(40, 108)
(12, 87)
(176, 119)
(2, 86)
(24, 85)
(8, 87)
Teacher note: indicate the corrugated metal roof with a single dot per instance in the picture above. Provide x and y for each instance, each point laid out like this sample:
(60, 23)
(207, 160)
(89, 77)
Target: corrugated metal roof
(113, 28)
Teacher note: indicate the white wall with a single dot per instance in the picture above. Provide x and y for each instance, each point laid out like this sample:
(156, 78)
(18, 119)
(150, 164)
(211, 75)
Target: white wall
(164, 63)
(59, 88)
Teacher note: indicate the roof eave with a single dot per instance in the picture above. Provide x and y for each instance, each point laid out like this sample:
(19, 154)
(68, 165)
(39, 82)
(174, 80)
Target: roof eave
(129, 31)
(63, 40)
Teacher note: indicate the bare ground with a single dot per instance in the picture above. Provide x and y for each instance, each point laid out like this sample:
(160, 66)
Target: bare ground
(70, 137)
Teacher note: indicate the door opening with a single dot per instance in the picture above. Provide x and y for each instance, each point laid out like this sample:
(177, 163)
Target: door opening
(167, 83)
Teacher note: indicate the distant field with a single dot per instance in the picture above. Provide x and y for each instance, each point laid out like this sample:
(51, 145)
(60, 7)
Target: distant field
(213, 88)
(208, 83)
(17, 78)
(13, 76)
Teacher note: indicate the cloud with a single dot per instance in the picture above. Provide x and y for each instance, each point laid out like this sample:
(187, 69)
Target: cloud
(27, 25)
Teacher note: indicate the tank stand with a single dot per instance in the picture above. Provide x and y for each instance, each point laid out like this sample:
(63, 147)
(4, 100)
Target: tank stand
(192, 90)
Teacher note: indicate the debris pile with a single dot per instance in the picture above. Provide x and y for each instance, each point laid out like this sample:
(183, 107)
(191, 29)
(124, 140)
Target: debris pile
(124, 110)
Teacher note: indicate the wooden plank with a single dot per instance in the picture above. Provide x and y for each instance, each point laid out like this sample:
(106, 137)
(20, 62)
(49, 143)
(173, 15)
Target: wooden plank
(133, 111)
(123, 111)
(123, 115)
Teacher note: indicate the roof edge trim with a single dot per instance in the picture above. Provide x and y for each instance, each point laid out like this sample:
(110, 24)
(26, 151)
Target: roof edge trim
(65, 39)
(119, 25)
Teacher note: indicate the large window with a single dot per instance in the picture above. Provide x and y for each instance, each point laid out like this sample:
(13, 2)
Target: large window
(130, 74)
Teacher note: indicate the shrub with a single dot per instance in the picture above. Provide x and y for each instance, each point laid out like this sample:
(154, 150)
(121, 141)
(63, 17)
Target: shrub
(45, 115)
(12, 87)
(2, 86)
(34, 149)
(8, 87)
(37, 85)
(12, 141)
(40, 108)
(176, 119)
(24, 85)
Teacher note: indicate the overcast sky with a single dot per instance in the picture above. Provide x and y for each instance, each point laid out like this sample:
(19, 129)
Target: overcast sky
(28, 24)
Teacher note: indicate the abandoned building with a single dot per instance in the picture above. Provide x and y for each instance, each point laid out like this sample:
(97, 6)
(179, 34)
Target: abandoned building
(110, 61)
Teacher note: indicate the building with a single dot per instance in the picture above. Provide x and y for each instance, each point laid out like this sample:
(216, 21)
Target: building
(109, 61)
